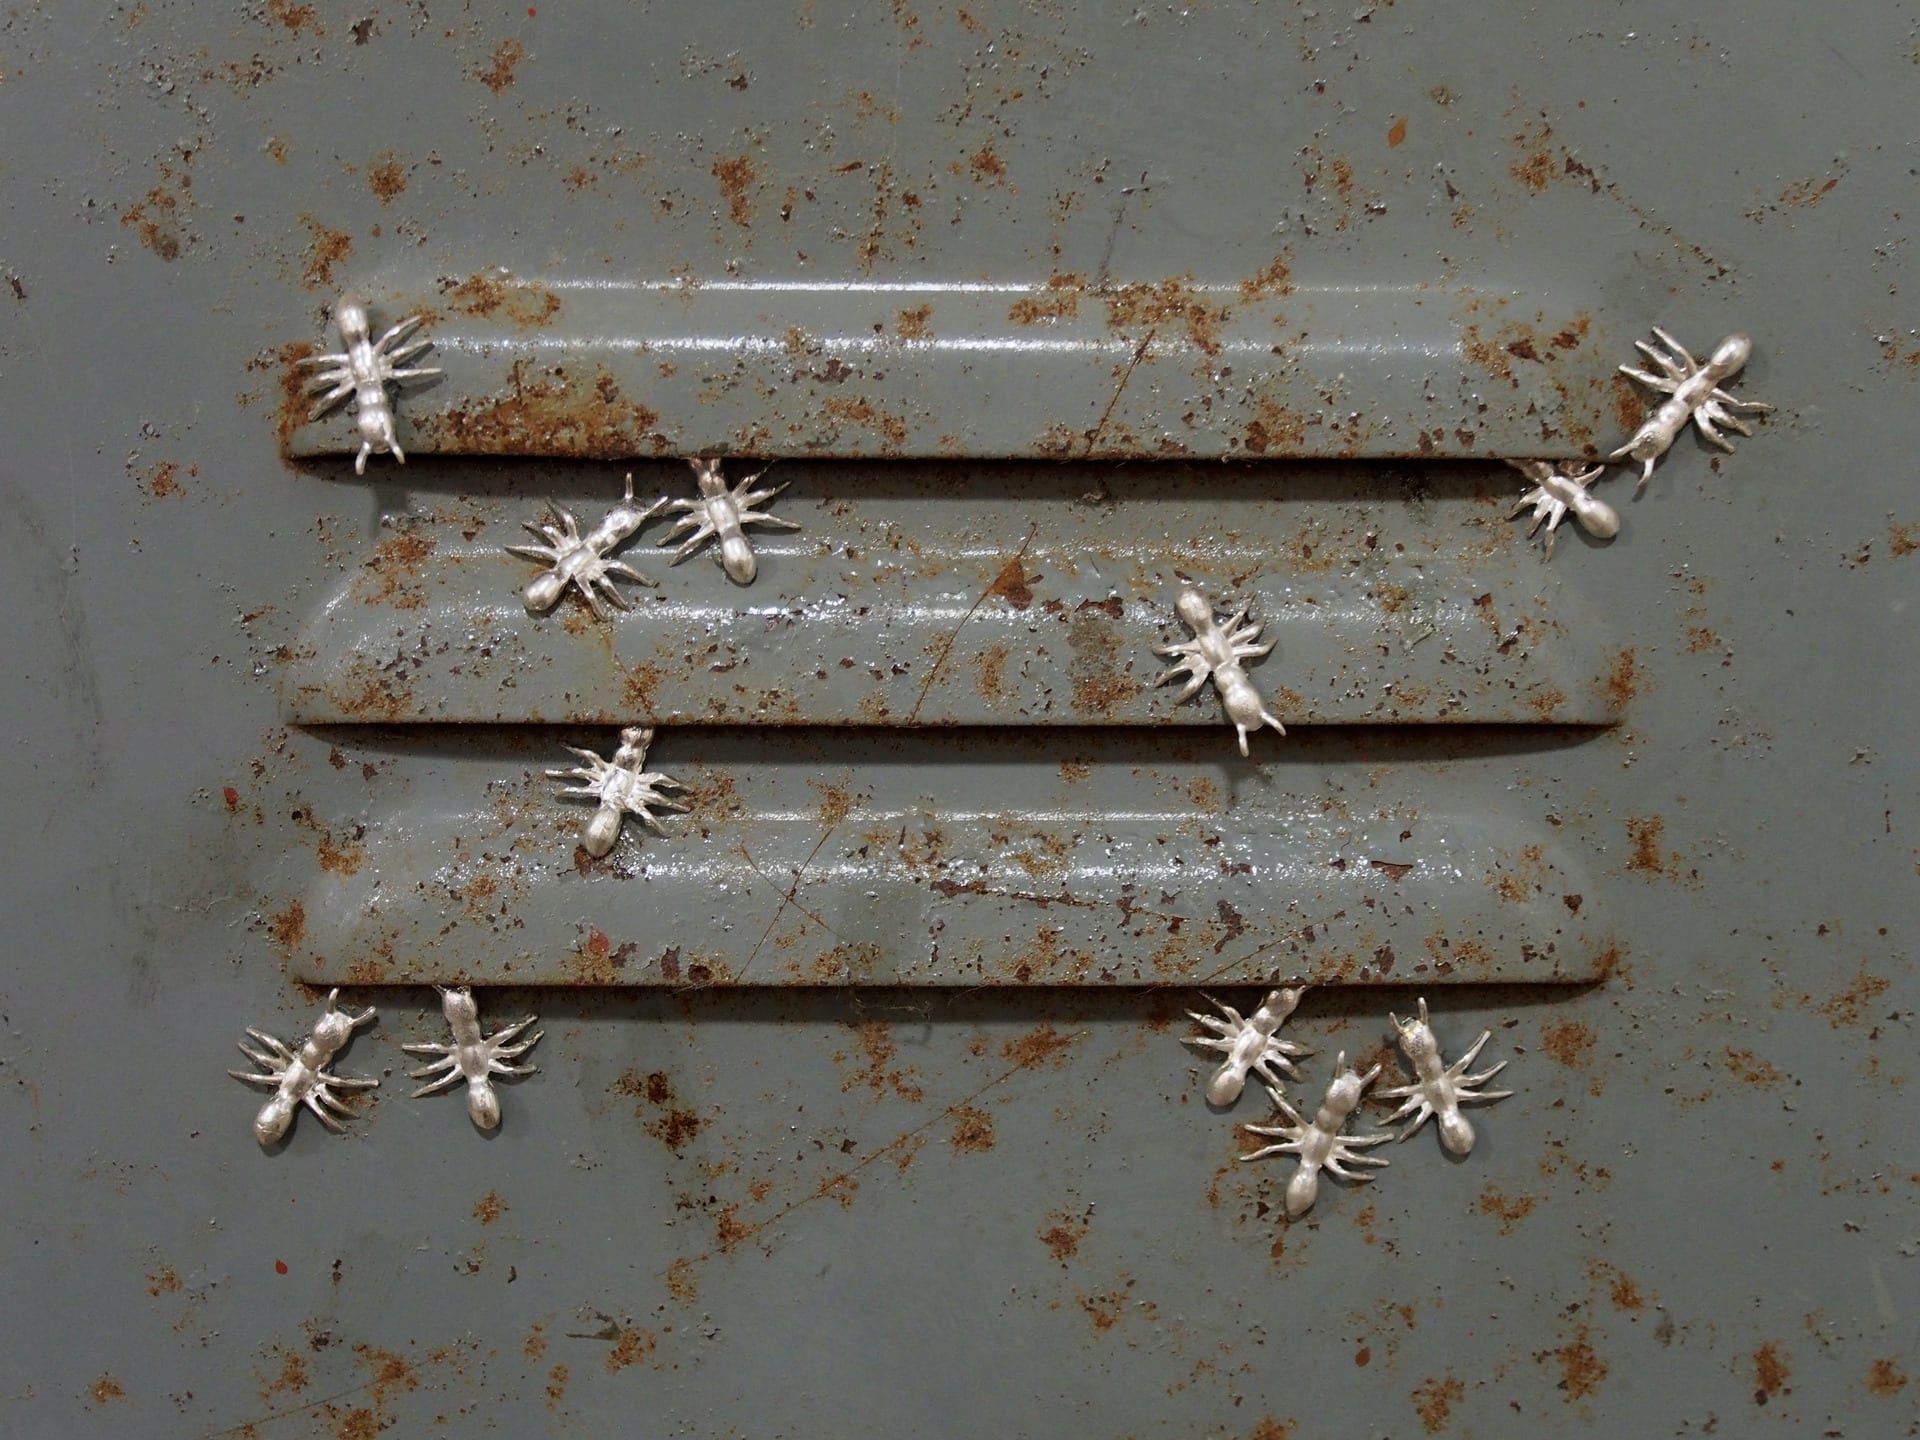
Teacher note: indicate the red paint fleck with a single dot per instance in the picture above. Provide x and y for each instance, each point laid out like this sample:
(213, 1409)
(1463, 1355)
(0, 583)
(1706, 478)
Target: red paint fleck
(279, 1267)
(232, 797)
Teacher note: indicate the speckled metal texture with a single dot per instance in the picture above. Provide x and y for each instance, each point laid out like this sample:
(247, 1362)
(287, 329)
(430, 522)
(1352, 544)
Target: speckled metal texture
(832, 1209)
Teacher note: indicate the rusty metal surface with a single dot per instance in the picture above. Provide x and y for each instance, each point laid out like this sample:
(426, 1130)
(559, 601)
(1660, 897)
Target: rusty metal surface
(1062, 368)
(961, 595)
(873, 857)
(952, 1210)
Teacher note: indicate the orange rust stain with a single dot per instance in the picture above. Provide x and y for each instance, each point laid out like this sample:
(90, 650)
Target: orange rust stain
(360, 1424)
(1623, 679)
(1569, 1042)
(1645, 833)
(1013, 584)
(673, 1125)
(993, 672)
(737, 176)
(683, 1281)
(295, 403)
(156, 219)
(487, 296)
(912, 324)
(277, 148)
(506, 57)
(556, 1386)
(1624, 1294)
(535, 1346)
(386, 177)
(1629, 410)
(395, 569)
(1040, 1046)
(1273, 278)
(862, 412)
(164, 481)
(288, 929)
(1060, 302)
(1396, 133)
(163, 1282)
(388, 1371)
(1105, 1311)
(729, 1230)
(1581, 1369)
(1493, 358)
(1073, 771)
(630, 1347)
(1902, 541)
(972, 1130)
(1749, 1069)
(1849, 1006)
(1273, 427)
(490, 1208)
(326, 248)
(987, 166)
(876, 1039)
(1171, 302)
(556, 417)
(1509, 1210)
(1269, 1428)
(339, 859)
(293, 17)
(1434, 1402)
(836, 803)
(1885, 1379)
(1808, 192)
(1770, 1373)
(1063, 1235)
(106, 1389)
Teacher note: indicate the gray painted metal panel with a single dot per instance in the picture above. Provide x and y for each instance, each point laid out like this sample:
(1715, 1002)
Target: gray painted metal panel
(951, 1210)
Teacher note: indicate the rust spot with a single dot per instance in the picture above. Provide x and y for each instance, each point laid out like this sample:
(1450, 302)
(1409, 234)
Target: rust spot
(912, 324)
(1363, 1357)
(1273, 427)
(683, 1281)
(1272, 279)
(535, 1346)
(1701, 639)
(972, 1130)
(1770, 1373)
(556, 1386)
(386, 177)
(388, 1373)
(1850, 1005)
(987, 166)
(1013, 584)
(1063, 1235)
(1271, 1429)
(876, 1040)
(836, 803)
(1171, 302)
(1509, 1210)
(891, 428)
(156, 219)
(288, 929)
(163, 1282)
(105, 1390)
(1902, 541)
(1624, 1294)
(993, 672)
(1074, 771)
(1396, 133)
(554, 417)
(339, 859)
(1750, 1069)
(1629, 410)
(1581, 1370)
(1105, 1311)
(295, 403)
(1808, 192)
(1885, 1379)
(1568, 1042)
(1099, 668)
(392, 574)
(737, 177)
(292, 1378)
(326, 248)
(506, 57)
(630, 1347)
(1433, 1402)
(1645, 833)
(1060, 302)
(1623, 680)
(487, 297)
(293, 17)
(164, 481)
(490, 1208)
(1039, 1046)
(1490, 357)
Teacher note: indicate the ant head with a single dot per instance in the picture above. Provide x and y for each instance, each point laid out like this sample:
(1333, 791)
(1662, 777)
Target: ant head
(1193, 608)
(1731, 353)
(352, 318)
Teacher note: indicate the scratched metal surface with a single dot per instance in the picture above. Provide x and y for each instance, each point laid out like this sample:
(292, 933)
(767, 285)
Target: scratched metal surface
(956, 1210)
